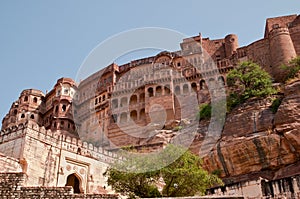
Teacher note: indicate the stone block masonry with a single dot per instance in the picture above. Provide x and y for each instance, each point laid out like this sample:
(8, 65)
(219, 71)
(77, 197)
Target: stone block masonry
(11, 186)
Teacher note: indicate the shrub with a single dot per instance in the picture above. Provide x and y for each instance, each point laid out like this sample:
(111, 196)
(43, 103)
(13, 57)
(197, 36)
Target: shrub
(248, 80)
(275, 105)
(204, 111)
(292, 68)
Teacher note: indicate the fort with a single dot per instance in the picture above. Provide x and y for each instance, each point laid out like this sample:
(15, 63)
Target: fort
(68, 136)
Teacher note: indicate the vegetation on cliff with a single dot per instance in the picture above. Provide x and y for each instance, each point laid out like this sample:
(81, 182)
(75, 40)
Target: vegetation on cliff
(248, 80)
(183, 177)
(292, 68)
(204, 111)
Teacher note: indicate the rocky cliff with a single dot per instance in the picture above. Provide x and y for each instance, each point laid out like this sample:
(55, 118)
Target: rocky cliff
(257, 140)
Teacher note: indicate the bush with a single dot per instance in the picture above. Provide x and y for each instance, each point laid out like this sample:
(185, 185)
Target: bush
(292, 68)
(248, 80)
(204, 111)
(275, 105)
(233, 100)
(137, 176)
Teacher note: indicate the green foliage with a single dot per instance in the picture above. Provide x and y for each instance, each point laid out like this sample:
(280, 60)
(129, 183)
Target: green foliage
(130, 183)
(292, 68)
(183, 177)
(217, 172)
(177, 128)
(204, 111)
(233, 100)
(248, 80)
(186, 177)
(275, 105)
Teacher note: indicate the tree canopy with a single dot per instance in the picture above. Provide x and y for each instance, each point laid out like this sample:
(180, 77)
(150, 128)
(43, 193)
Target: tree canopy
(183, 177)
(248, 80)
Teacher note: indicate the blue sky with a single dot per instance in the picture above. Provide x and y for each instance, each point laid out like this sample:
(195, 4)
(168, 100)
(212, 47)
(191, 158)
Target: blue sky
(41, 41)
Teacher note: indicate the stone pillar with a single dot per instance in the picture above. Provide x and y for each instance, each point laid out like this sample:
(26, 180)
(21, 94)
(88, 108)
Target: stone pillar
(295, 185)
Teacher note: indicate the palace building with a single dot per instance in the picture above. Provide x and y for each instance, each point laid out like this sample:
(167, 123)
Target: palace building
(68, 136)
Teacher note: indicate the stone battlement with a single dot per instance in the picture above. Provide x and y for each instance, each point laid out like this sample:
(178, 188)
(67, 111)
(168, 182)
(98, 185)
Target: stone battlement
(55, 139)
(277, 31)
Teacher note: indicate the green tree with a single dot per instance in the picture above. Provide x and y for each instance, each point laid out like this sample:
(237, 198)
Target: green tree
(132, 178)
(248, 80)
(183, 177)
(292, 68)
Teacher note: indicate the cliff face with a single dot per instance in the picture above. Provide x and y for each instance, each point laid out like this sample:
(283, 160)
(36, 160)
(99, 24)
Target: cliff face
(256, 140)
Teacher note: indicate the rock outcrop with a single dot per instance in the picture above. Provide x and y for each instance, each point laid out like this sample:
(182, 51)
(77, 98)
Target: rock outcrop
(256, 140)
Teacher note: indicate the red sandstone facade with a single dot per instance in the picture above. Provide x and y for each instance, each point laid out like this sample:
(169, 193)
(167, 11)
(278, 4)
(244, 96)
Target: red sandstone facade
(105, 94)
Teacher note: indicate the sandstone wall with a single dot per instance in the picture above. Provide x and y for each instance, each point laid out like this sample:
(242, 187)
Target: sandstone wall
(49, 158)
(9, 164)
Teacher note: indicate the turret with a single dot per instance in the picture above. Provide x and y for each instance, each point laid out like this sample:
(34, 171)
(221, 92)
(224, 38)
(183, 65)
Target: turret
(231, 45)
(281, 50)
(29, 106)
(62, 119)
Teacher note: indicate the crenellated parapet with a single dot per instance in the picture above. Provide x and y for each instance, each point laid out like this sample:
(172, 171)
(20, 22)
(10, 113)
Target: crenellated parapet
(12, 133)
(58, 140)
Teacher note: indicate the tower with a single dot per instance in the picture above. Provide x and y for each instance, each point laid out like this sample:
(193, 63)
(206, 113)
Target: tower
(27, 107)
(62, 117)
(281, 50)
(231, 45)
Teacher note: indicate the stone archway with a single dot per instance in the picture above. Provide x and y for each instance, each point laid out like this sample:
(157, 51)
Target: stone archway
(74, 181)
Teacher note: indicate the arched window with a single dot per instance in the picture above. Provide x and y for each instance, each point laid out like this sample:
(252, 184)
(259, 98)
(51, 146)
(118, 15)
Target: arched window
(185, 89)
(150, 92)
(167, 90)
(124, 102)
(133, 100)
(56, 109)
(133, 115)
(35, 100)
(221, 80)
(64, 108)
(177, 90)
(194, 86)
(23, 115)
(158, 91)
(15, 112)
(123, 118)
(202, 84)
(25, 98)
(32, 116)
(115, 103)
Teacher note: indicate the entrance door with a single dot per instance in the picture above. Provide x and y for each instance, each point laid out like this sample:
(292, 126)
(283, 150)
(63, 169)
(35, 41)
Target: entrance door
(73, 181)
